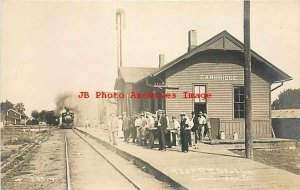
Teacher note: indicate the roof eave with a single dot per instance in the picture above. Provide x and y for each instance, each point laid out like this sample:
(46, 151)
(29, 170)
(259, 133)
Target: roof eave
(284, 80)
(202, 47)
(143, 79)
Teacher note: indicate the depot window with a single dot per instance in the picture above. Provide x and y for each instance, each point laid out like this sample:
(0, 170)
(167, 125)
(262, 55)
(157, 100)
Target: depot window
(239, 102)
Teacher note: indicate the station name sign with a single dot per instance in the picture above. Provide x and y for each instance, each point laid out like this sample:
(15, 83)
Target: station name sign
(218, 77)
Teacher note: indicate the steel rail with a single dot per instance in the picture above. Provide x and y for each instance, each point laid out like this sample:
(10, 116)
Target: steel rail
(68, 178)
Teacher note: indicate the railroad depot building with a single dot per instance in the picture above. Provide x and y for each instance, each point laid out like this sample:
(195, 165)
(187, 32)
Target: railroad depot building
(215, 67)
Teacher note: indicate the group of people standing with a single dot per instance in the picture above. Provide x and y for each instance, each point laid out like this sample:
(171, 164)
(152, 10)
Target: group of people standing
(193, 129)
(136, 126)
(187, 131)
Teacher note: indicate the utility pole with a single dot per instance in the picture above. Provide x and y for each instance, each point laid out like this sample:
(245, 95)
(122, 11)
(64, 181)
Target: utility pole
(247, 82)
(120, 23)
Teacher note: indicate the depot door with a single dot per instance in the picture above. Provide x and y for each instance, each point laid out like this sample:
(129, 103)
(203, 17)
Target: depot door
(200, 104)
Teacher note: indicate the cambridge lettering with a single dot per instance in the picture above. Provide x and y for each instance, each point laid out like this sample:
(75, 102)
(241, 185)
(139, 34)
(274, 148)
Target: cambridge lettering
(217, 77)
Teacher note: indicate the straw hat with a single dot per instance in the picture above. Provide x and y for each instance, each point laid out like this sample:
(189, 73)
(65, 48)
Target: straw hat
(182, 114)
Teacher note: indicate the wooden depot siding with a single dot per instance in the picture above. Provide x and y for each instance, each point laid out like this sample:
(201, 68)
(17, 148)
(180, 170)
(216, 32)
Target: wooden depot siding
(222, 55)
(220, 105)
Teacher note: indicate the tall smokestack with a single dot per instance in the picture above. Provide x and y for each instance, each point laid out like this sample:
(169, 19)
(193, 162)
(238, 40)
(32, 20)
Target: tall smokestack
(120, 24)
(161, 60)
(192, 39)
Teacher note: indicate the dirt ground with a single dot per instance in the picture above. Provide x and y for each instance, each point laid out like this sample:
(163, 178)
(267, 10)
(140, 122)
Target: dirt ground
(13, 142)
(288, 160)
(42, 168)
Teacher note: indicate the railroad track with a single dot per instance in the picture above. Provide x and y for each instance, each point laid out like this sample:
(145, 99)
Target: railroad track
(83, 140)
(68, 178)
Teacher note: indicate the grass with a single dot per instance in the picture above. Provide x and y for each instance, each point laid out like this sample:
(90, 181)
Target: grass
(288, 160)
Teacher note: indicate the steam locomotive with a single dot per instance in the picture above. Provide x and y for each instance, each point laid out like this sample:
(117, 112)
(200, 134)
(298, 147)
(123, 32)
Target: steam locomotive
(67, 119)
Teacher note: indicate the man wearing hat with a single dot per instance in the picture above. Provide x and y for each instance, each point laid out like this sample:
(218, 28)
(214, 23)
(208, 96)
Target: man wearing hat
(150, 120)
(195, 128)
(149, 123)
(202, 123)
(184, 133)
(176, 126)
(207, 126)
(162, 130)
(113, 127)
(132, 129)
(138, 123)
(143, 131)
(120, 131)
(125, 127)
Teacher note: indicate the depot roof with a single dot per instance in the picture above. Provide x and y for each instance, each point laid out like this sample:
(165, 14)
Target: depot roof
(134, 74)
(222, 41)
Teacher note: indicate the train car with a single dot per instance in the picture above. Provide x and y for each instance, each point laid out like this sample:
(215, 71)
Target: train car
(67, 119)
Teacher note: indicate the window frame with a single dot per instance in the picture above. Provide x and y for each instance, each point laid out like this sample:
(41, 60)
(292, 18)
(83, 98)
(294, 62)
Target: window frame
(234, 102)
(206, 90)
(199, 100)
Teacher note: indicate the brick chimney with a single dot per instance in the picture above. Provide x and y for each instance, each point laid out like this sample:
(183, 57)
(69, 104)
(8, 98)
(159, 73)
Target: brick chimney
(192, 39)
(161, 60)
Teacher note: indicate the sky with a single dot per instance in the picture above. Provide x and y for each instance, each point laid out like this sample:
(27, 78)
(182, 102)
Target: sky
(51, 47)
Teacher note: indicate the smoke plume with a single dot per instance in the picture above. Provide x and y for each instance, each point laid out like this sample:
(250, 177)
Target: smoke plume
(67, 99)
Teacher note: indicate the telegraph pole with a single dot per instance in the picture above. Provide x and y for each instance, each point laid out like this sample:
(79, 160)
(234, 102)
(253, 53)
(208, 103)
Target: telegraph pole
(120, 23)
(247, 82)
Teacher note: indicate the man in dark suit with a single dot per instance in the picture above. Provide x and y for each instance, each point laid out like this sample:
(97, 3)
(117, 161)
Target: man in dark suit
(184, 133)
(132, 129)
(125, 127)
(162, 129)
(195, 128)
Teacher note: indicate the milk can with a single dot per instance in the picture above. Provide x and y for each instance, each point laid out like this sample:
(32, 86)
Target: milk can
(235, 136)
(222, 135)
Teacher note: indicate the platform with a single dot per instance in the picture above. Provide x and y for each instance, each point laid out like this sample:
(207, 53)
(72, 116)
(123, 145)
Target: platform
(212, 167)
(263, 143)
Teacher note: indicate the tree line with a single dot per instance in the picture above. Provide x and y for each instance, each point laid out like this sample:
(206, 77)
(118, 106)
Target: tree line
(288, 99)
(47, 116)
(19, 107)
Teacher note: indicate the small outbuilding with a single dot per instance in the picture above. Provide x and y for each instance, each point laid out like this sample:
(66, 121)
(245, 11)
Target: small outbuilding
(15, 118)
(286, 123)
